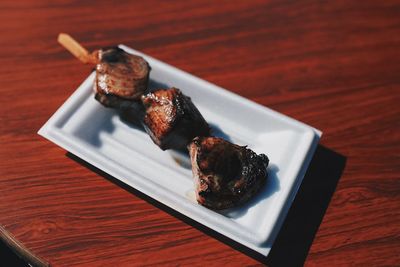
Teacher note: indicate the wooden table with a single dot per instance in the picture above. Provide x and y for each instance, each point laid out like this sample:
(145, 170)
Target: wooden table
(334, 65)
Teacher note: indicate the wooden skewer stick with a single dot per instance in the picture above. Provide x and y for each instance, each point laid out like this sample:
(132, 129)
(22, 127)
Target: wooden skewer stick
(76, 49)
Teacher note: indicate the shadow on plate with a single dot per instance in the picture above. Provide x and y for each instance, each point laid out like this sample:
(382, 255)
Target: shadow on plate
(155, 85)
(302, 222)
(218, 132)
(102, 120)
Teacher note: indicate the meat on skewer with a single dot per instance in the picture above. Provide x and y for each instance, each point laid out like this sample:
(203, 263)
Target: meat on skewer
(225, 174)
(172, 120)
(121, 78)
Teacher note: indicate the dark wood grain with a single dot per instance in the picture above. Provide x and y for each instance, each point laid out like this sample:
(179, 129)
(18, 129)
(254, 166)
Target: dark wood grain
(334, 65)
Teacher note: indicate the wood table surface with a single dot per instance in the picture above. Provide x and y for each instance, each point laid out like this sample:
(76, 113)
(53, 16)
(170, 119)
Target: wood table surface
(334, 65)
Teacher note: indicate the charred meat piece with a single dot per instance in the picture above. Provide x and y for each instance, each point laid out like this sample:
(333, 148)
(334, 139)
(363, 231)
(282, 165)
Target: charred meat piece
(172, 120)
(120, 77)
(226, 175)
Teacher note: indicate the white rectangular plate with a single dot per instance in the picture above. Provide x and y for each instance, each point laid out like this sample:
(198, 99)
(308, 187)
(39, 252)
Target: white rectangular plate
(97, 135)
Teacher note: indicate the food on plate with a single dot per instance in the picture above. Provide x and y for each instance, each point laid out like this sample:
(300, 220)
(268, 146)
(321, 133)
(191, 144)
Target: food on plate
(171, 119)
(225, 174)
(120, 77)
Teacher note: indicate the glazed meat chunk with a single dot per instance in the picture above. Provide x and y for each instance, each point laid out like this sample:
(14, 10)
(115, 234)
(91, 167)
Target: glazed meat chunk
(225, 174)
(121, 78)
(172, 120)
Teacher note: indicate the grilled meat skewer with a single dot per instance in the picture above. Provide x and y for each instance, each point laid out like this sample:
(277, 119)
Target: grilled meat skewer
(172, 120)
(225, 174)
